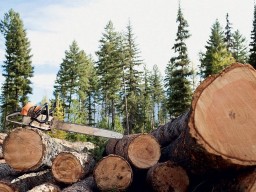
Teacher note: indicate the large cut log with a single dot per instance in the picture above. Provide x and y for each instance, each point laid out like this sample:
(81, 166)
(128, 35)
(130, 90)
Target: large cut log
(26, 181)
(70, 167)
(167, 177)
(113, 173)
(27, 149)
(140, 150)
(219, 130)
(85, 185)
(46, 187)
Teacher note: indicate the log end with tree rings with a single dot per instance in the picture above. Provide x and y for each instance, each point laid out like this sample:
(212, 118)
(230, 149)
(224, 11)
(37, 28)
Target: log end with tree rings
(223, 114)
(23, 149)
(7, 187)
(67, 168)
(144, 151)
(113, 173)
(168, 177)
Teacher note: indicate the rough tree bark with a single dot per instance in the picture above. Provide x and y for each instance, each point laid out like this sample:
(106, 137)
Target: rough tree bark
(70, 167)
(113, 173)
(27, 149)
(46, 187)
(77, 146)
(26, 181)
(140, 150)
(85, 185)
(167, 177)
(1, 152)
(219, 129)
(6, 170)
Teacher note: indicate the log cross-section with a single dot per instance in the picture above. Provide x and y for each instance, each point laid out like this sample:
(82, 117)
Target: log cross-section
(70, 167)
(167, 177)
(140, 150)
(27, 149)
(219, 129)
(113, 173)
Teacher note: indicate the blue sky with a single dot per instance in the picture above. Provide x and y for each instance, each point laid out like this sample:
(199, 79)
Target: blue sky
(52, 25)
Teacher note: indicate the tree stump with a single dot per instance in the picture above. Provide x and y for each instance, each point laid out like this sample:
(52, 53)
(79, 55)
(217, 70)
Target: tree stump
(113, 173)
(27, 149)
(70, 167)
(167, 177)
(219, 130)
(140, 150)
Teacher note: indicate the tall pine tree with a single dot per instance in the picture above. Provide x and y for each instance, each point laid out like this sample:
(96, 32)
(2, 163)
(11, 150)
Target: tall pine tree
(216, 57)
(17, 68)
(109, 69)
(131, 80)
(178, 71)
(72, 83)
(239, 48)
(157, 94)
(252, 57)
(228, 34)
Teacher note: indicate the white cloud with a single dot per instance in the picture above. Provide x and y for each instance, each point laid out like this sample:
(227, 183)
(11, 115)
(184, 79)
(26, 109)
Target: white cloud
(42, 86)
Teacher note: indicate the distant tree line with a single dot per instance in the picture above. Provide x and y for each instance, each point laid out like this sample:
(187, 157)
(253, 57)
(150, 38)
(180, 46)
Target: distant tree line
(116, 91)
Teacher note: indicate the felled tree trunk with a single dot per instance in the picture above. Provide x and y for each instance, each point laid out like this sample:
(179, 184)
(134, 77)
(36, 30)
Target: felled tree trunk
(1, 152)
(77, 146)
(113, 173)
(6, 170)
(70, 167)
(219, 130)
(243, 180)
(27, 149)
(141, 150)
(167, 177)
(26, 182)
(111, 146)
(85, 185)
(46, 187)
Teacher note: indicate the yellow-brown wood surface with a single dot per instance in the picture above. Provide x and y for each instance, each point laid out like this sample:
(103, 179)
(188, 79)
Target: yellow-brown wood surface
(167, 177)
(113, 173)
(223, 114)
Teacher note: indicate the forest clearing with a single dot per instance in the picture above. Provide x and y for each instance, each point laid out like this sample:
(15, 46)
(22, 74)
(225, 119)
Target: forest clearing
(211, 147)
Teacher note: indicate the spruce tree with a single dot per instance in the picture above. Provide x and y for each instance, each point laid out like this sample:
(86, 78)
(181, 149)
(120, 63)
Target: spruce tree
(17, 68)
(131, 80)
(145, 112)
(109, 69)
(228, 34)
(239, 48)
(216, 57)
(157, 94)
(252, 57)
(72, 83)
(178, 71)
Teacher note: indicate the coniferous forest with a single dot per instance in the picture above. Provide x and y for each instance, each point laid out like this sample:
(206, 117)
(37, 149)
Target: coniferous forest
(116, 90)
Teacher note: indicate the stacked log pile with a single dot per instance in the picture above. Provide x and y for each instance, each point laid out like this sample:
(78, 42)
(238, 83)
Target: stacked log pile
(211, 147)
